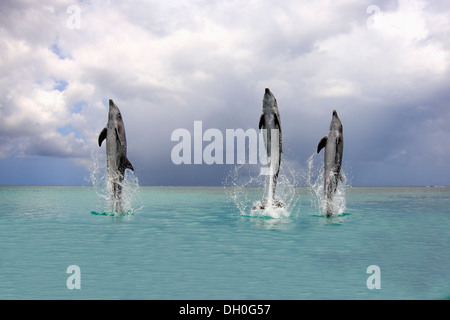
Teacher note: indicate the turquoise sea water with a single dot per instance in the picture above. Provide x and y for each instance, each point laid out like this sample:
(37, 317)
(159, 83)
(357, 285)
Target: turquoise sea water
(201, 243)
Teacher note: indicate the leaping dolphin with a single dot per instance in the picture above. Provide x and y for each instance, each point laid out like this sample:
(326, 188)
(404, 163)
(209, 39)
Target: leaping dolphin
(116, 153)
(270, 122)
(334, 147)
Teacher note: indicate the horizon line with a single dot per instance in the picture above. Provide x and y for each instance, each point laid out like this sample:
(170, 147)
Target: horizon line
(212, 186)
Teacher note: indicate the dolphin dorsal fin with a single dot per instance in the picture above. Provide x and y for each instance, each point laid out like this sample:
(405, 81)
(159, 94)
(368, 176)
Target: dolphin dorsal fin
(126, 164)
(102, 136)
(278, 122)
(322, 143)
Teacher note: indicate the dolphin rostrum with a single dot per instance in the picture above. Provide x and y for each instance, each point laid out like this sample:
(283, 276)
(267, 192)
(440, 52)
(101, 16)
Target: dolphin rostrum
(270, 123)
(334, 147)
(116, 152)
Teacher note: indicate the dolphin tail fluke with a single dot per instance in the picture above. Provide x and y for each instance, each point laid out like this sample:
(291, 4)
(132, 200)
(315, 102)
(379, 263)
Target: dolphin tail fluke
(322, 143)
(102, 136)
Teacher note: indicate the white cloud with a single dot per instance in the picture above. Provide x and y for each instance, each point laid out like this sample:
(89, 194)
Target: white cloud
(337, 88)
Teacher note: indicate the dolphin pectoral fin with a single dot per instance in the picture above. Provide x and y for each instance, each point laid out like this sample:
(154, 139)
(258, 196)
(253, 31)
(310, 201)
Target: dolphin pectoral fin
(261, 121)
(322, 143)
(102, 136)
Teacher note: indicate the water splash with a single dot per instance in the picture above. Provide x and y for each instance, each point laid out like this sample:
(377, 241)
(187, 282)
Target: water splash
(245, 187)
(107, 204)
(315, 183)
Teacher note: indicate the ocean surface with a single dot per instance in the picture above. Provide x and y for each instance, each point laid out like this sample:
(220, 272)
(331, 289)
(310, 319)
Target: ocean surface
(207, 243)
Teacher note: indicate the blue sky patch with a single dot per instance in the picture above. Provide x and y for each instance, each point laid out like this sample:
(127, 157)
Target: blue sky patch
(56, 50)
(66, 130)
(61, 85)
(78, 107)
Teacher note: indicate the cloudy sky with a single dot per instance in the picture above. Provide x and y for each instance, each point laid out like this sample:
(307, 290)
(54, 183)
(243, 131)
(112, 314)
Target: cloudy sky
(384, 65)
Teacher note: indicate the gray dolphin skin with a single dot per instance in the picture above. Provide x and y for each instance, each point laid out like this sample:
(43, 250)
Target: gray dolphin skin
(270, 123)
(334, 147)
(116, 153)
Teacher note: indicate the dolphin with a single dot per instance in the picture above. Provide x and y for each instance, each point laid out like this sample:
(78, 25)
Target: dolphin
(334, 147)
(270, 122)
(116, 152)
